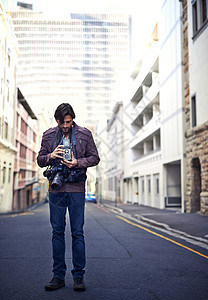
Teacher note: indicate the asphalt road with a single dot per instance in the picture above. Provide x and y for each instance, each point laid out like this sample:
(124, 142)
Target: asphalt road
(124, 260)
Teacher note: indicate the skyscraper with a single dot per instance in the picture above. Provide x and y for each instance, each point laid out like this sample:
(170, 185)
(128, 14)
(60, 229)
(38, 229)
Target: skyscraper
(77, 59)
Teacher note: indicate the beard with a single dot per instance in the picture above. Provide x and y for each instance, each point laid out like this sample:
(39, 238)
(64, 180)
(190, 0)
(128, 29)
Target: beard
(65, 130)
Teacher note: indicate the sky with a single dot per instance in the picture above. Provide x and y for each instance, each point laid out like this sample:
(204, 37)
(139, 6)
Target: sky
(93, 5)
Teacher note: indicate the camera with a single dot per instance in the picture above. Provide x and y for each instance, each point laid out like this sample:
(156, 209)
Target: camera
(57, 181)
(56, 175)
(67, 149)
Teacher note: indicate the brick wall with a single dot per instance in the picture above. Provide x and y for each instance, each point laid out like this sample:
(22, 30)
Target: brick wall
(196, 140)
(197, 148)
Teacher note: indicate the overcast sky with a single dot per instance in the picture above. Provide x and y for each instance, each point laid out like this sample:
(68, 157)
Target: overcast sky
(130, 6)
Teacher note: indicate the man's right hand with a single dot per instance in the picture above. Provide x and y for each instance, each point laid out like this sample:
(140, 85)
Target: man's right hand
(58, 152)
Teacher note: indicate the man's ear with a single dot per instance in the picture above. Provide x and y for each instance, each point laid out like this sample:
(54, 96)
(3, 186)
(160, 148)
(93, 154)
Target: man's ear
(57, 121)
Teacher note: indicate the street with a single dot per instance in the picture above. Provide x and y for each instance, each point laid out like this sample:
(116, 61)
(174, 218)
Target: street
(124, 260)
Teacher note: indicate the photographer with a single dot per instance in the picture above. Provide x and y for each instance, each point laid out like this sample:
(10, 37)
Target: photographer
(67, 150)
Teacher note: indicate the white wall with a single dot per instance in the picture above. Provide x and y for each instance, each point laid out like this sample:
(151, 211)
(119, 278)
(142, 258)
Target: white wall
(170, 66)
(198, 70)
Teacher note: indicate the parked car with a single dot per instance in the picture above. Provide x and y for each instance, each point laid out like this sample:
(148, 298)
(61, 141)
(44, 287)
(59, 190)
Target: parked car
(89, 197)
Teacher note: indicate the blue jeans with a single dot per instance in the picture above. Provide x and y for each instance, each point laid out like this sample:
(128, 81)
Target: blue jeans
(75, 202)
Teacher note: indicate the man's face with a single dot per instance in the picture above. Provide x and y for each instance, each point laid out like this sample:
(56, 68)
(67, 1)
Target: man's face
(66, 125)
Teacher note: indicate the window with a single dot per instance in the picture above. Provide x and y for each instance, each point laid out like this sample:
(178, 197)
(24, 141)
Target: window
(157, 186)
(23, 127)
(4, 175)
(22, 151)
(9, 175)
(193, 111)
(34, 137)
(5, 130)
(9, 61)
(142, 186)
(194, 8)
(149, 186)
(199, 16)
(34, 156)
(203, 10)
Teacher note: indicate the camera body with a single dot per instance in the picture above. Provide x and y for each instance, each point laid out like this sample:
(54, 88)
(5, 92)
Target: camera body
(67, 150)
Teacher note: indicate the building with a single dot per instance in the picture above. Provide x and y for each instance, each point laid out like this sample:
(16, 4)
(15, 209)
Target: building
(195, 60)
(76, 59)
(8, 64)
(172, 104)
(154, 168)
(45, 121)
(143, 169)
(156, 110)
(26, 185)
(113, 187)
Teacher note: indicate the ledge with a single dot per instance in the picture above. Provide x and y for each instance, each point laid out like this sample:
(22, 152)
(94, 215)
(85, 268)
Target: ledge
(196, 130)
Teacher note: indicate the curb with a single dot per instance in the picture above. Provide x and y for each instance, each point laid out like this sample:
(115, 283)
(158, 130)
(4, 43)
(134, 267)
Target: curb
(168, 228)
(113, 208)
(30, 208)
(153, 223)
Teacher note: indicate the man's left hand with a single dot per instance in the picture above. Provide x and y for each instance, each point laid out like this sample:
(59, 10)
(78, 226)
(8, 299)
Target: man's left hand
(70, 163)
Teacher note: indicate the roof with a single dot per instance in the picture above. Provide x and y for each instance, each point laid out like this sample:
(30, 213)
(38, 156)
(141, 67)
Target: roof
(25, 104)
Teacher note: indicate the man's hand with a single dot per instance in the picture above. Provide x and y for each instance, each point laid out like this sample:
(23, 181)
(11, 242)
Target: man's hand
(58, 152)
(70, 163)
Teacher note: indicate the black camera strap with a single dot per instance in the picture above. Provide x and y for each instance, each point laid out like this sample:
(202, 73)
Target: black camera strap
(74, 141)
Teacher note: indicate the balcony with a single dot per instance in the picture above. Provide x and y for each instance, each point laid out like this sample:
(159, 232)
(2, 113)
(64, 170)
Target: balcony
(146, 147)
(148, 96)
(151, 65)
(145, 131)
(21, 183)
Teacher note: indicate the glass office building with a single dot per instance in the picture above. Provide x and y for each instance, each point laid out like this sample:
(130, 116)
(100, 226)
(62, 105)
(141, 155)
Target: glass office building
(76, 59)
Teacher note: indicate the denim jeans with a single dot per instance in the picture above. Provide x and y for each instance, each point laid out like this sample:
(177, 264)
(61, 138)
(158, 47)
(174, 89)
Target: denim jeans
(75, 202)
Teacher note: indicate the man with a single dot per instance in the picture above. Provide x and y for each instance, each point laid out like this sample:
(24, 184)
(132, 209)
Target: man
(68, 150)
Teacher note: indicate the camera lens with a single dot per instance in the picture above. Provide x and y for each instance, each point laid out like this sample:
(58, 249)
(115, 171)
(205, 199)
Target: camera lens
(57, 181)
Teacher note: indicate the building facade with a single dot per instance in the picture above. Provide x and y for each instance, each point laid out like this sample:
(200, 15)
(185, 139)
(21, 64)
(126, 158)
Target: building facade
(115, 138)
(76, 59)
(172, 104)
(154, 166)
(8, 65)
(143, 161)
(26, 185)
(195, 45)
(45, 121)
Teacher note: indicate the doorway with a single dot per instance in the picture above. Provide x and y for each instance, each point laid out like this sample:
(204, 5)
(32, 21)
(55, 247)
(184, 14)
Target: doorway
(195, 185)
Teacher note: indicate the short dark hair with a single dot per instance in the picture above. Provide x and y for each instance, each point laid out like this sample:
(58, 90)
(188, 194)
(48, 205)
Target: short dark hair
(62, 111)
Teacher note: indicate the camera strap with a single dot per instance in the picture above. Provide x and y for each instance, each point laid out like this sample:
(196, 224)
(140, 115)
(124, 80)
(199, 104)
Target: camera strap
(60, 141)
(74, 141)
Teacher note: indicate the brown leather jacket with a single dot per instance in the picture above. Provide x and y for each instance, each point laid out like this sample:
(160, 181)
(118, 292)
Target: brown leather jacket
(87, 155)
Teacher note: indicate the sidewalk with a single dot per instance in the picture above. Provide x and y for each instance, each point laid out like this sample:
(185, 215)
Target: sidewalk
(194, 224)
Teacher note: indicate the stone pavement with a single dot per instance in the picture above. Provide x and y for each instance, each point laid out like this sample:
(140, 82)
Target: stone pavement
(194, 225)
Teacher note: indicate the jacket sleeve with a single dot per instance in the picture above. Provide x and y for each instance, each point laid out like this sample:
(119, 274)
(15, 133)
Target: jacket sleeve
(43, 158)
(91, 155)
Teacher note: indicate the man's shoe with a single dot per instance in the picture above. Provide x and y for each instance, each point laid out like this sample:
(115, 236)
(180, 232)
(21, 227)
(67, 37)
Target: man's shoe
(79, 285)
(54, 284)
